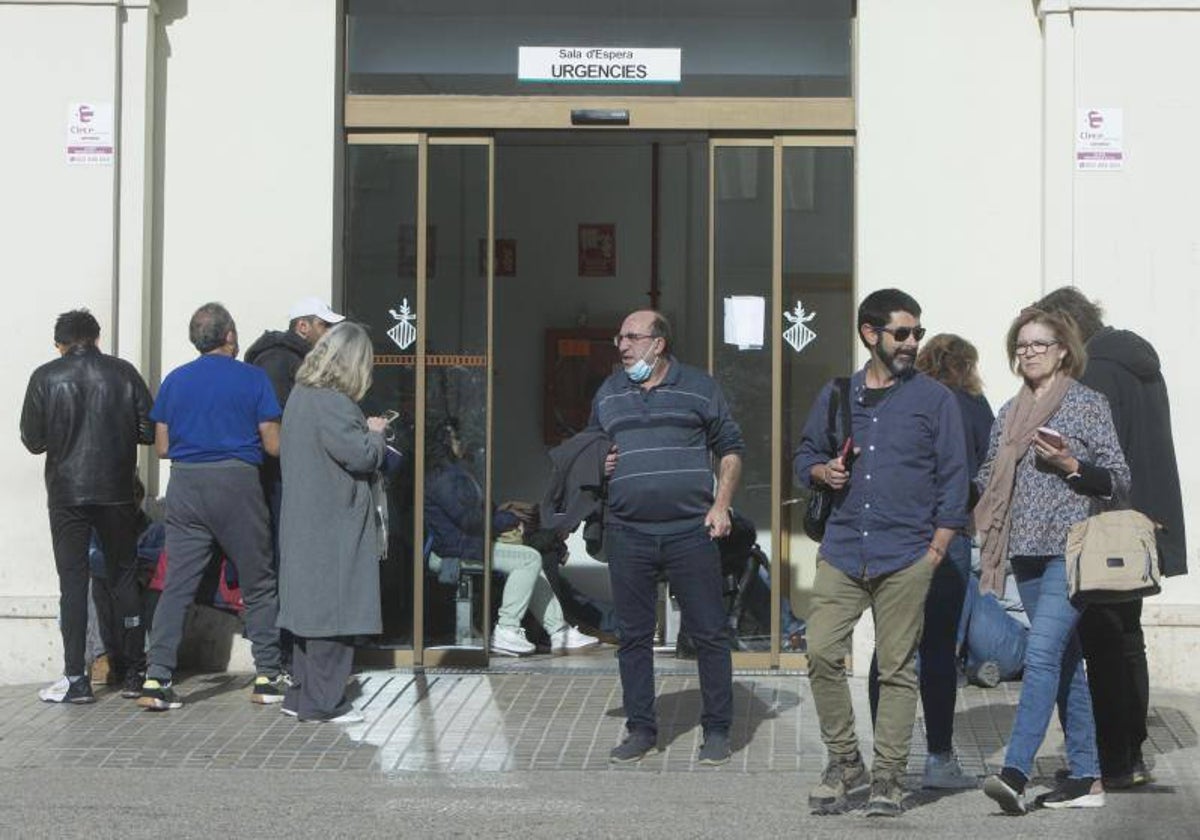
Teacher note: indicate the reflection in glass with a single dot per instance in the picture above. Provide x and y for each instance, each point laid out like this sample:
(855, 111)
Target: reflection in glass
(775, 48)
(456, 418)
(742, 260)
(381, 200)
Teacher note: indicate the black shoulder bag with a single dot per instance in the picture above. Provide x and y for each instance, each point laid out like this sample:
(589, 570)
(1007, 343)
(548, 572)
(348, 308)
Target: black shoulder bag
(820, 502)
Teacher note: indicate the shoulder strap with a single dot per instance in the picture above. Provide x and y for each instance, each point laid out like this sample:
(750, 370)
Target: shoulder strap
(843, 385)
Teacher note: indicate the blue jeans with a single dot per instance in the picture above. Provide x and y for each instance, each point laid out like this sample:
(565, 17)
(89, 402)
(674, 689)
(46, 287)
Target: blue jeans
(692, 564)
(937, 664)
(1053, 671)
(990, 633)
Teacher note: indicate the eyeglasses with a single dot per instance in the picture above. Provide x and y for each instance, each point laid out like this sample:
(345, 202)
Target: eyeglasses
(631, 338)
(1033, 348)
(901, 334)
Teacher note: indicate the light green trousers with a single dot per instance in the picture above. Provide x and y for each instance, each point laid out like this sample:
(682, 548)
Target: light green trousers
(898, 603)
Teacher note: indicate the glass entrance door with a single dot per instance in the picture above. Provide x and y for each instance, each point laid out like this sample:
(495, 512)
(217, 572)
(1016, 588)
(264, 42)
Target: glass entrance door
(781, 315)
(419, 256)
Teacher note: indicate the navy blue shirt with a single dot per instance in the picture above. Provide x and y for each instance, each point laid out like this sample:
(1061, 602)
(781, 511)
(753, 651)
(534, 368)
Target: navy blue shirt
(212, 407)
(909, 479)
(663, 482)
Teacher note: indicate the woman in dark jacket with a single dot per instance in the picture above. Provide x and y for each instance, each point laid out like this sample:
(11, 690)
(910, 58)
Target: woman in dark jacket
(454, 511)
(331, 528)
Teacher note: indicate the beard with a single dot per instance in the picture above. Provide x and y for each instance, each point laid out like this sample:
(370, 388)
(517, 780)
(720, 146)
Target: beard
(902, 362)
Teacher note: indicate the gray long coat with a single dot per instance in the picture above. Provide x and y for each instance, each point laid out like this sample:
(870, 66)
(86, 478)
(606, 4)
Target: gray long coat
(328, 531)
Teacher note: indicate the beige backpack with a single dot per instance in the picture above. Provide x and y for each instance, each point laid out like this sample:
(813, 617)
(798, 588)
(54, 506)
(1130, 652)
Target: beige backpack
(1112, 557)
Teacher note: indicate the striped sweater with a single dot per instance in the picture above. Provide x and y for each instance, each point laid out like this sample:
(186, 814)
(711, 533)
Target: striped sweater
(666, 437)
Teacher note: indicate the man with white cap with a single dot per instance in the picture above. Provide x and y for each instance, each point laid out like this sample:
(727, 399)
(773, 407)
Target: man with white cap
(280, 353)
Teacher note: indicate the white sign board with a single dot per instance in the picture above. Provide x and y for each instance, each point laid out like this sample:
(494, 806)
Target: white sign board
(744, 320)
(90, 133)
(599, 65)
(1098, 142)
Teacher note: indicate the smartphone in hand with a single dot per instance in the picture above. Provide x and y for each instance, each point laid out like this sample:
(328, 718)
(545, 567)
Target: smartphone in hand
(846, 453)
(1051, 437)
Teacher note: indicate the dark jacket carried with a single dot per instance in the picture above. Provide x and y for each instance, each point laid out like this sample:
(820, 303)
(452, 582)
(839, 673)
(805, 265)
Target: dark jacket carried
(279, 354)
(1124, 367)
(88, 412)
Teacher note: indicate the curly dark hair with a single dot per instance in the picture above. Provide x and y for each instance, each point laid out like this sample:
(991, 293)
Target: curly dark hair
(77, 328)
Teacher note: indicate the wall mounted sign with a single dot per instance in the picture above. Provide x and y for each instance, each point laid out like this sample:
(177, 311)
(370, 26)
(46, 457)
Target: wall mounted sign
(597, 250)
(90, 133)
(599, 65)
(798, 334)
(403, 332)
(1098, 139)
(745, 316)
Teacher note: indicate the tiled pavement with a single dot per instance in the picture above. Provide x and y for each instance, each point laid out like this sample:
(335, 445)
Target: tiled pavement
(563, 716)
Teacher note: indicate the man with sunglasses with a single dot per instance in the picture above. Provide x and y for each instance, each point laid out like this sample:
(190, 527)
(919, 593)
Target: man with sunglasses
(897, 505)
(668, 422)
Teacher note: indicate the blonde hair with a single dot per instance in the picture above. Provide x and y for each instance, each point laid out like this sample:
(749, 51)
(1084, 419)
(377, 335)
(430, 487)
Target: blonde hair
(342, 361)
(1065, 332)
(953, 361)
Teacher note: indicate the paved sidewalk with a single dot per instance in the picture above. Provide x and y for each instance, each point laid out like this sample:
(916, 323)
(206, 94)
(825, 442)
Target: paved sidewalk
(519, 751)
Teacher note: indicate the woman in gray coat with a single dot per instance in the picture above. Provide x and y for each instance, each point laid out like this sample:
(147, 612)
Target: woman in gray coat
(331, 530)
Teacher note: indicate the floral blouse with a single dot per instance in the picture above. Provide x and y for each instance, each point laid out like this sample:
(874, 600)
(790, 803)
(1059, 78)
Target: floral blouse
(1044, 504)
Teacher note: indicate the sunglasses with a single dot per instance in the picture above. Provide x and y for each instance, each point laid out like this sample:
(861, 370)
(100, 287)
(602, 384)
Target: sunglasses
(901, 334)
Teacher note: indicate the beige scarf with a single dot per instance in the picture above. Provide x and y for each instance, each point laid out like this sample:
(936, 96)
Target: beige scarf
(993, 513)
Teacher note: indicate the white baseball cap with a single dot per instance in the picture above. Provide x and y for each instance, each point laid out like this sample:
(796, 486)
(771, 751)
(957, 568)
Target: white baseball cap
(311, 307)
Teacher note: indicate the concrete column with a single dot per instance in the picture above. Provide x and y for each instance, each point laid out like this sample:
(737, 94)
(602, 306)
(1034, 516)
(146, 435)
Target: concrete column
(1058, 127)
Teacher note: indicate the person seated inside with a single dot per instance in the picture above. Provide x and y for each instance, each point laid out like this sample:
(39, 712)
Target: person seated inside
(992, 633)
(454, 510)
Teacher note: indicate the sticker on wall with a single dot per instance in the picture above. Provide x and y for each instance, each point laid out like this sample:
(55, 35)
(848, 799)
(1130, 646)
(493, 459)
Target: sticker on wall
(798, 334)
(403, 332)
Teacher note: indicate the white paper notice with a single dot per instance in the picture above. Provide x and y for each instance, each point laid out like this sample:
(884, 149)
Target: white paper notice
(90, 133)
(745, 316)
(1099, 144)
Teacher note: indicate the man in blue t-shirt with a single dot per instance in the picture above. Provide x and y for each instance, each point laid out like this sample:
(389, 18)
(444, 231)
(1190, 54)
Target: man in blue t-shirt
(214, 418)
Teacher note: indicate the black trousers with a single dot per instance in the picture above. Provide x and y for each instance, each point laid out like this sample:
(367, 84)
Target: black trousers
(116, 527)
(320, 668)
(1119, 678)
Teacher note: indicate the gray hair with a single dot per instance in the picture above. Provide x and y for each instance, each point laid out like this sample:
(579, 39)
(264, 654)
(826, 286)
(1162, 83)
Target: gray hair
(209, 327)
(342, 361)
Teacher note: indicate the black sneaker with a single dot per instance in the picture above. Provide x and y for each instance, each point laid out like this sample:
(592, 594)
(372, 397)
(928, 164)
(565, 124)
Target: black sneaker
(887, 795)
(637, 744)
(269, 690)
(79, 692)
(1008, 790)
(1074, 793)
(715, 749)
(131, 685)
(842, 776)
(158, 696)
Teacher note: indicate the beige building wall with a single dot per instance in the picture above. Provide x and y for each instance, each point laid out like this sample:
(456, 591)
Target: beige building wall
(223, 189)
(1133, 234)
(57, 229)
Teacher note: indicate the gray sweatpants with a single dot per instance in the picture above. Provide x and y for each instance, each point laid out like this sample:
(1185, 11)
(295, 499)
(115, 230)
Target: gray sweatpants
(218, 502)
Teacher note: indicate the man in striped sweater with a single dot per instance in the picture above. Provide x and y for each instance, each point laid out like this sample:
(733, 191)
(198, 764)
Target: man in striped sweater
(667, 421)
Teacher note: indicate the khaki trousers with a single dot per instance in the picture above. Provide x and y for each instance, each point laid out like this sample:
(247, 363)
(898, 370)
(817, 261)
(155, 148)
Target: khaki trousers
(898, 603)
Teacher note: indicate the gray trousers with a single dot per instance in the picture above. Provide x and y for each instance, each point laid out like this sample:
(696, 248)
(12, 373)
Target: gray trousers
(320, 668)
(220, 502)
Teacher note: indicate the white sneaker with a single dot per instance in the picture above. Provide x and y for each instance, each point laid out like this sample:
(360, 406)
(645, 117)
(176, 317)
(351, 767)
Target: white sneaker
(569, 639)
(943, 772)
(511, 641)
(56, 692)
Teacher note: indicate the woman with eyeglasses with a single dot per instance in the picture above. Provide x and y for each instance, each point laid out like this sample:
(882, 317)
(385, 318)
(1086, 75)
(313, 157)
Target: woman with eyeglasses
(1053, 460)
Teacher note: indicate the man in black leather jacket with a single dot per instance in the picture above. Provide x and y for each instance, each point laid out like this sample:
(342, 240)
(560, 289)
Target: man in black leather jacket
(88, 412)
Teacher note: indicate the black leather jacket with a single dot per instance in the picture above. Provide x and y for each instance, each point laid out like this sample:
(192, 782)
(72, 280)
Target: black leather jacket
(88, 412)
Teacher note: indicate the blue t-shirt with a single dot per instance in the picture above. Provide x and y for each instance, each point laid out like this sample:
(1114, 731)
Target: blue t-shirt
(212, 407)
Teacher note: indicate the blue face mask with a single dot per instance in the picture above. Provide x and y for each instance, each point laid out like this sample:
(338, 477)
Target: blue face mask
(640, 370)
